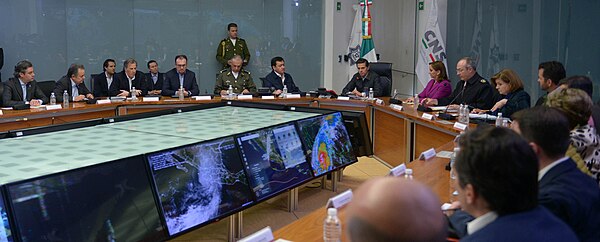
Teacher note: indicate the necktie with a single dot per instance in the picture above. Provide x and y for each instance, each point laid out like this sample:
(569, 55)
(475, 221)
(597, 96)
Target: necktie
(24, 88)
(74, 91)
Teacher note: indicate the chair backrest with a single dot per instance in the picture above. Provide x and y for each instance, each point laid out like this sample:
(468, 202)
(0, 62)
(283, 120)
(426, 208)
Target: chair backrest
(1, 91)
(384, 70)
(47, 87)
(91, 87)
(263, 80)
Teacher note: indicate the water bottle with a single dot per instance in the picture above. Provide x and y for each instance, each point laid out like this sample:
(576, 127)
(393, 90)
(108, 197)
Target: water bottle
(467, 112)
(230, 92)
(284, 91)
(395, 93)
(332, 227)
(408, 174)
(65, 99)
(499, 120)
(133, 94)
(52, 99)
(371, 96)
(453, 172)
(181, 95)
(461, 114)
(416, 101)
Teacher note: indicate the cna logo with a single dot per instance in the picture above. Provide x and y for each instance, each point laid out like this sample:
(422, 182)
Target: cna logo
(354, 54)
(435, 50)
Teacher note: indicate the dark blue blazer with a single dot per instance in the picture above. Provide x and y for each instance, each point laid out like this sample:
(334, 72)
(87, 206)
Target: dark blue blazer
(64, 83)
(171, 83)
(150, 85)
(13, 94)
(274, 81)
(534, 225)
(574, 197)
(122, 83)
(101, 85)
(517, 100)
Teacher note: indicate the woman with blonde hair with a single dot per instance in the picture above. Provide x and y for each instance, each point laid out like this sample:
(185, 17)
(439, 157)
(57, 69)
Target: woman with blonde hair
(577, 106)
(513, 96)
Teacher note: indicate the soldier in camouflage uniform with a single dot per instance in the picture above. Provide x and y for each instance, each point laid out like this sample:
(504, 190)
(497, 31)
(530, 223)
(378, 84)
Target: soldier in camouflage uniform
(231, 46)
(239, 79)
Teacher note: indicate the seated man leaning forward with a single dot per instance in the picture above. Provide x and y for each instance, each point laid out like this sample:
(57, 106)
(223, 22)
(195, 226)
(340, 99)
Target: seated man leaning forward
(363, 80)
(23, 89)
(240, 80)
(410, 213)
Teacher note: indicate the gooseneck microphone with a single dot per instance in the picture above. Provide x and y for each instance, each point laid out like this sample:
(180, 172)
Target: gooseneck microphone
(447, 116)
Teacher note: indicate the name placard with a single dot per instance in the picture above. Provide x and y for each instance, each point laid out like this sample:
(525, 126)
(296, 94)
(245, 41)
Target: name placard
(263, 235)
(150, 99)
(244, 97)
(460, 126)
(53, 107)
(340, 200)
(268, 97)
(398, 170)
(428, 154)
(292, 96)
(103, 101)
(344, 98)
(427, 116)
(396, 107)
(202, 98)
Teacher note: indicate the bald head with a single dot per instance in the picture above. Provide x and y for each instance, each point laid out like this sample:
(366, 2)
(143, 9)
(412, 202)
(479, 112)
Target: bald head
(394, 209)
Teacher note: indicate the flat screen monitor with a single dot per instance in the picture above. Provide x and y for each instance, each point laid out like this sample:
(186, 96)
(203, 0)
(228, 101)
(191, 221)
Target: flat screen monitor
(358, 129)
(5, 231)
(200, 183)
(108, 202)
(274, 160)
(327, 142)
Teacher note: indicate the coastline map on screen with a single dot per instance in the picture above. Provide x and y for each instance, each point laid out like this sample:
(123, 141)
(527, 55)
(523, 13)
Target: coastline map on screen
(327, 141)
(199, 183)
(274, 160)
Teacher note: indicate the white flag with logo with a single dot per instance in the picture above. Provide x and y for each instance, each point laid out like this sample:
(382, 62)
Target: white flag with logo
(431, 46)
(493, 64)
(476, 40)
(355, 42)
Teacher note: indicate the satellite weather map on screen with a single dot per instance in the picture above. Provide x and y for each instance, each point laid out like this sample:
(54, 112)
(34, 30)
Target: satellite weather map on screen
(327, 142)
(274, 160)
(109, 202)
(5, 232)
(199, 183)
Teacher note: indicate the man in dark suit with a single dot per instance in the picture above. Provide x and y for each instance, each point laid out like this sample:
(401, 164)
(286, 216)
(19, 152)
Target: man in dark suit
(105, 80)
(363, 80)
(127, 79)
(73, 84)
(278, 77)
(23, 89)
(568, 193)
(154, 78)
(180, 76)
(497, 174)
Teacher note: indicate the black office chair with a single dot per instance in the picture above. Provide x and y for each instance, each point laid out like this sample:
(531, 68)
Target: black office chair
(263, 80)
(1, 91)
(92, 77)
(384, 70)
(47, 87)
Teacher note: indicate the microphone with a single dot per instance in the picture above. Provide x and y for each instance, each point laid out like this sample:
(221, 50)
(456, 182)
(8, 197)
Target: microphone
(393, 100)
(446, 116)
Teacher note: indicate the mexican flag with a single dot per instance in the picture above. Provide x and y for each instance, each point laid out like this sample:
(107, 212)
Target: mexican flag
(367, 49)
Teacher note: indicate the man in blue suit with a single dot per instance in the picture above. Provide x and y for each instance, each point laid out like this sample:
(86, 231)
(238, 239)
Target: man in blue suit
(497, 174)
(278, 77)
(180, 76)
(568, 193)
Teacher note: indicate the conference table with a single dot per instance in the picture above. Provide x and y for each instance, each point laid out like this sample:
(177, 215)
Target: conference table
(430, 172)
(398, 136)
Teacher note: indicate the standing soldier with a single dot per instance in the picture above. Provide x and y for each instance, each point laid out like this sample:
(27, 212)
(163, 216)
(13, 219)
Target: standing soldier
(232, 45)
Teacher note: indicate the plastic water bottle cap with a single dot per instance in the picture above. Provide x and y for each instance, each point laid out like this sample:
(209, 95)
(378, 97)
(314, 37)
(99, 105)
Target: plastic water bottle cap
(332, 211)
(409, 171)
